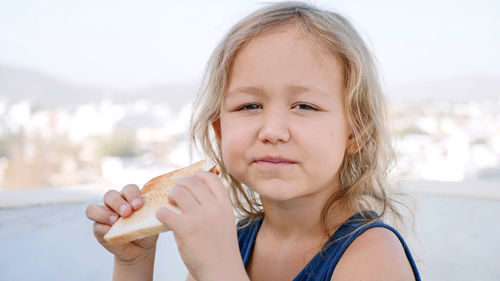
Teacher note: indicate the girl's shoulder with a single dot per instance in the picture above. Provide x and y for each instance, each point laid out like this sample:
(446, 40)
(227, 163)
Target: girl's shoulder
(379, 247)
(382, 253)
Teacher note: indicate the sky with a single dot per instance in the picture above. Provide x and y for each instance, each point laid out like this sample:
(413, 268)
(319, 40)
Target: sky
(132, 44)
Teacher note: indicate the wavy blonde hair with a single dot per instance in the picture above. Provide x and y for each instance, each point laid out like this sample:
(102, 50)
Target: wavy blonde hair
(369, 155)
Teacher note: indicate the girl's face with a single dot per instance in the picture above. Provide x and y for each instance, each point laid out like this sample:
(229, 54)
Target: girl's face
(282, 127)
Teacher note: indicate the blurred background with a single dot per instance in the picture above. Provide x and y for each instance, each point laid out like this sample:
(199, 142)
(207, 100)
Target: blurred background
(97, 94)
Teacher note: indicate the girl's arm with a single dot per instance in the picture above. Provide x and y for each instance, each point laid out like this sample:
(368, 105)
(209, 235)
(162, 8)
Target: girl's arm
(190, 278)
(140, 270)
(234, 277)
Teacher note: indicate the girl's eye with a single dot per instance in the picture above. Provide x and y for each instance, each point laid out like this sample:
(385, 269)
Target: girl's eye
(250, 107)
(305, 107)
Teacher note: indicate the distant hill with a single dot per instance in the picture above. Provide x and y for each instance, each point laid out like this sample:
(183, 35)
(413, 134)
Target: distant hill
(18, 84)
(47, 92)
(460, 89)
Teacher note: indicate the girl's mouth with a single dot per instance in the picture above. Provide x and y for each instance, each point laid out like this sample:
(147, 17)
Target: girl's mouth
(274, 161)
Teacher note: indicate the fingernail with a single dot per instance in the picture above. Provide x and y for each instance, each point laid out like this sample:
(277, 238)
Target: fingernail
(122, 209)
(136, 202)
(113, 218)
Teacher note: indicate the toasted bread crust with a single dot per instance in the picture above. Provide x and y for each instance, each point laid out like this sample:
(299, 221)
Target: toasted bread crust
(168, 180)
(143, 223)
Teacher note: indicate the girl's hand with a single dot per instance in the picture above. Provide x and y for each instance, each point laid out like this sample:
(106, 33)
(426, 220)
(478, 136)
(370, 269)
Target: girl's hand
(205, 232)
(116, 205)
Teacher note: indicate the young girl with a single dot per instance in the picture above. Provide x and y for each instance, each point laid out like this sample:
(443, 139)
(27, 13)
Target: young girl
(292, 113)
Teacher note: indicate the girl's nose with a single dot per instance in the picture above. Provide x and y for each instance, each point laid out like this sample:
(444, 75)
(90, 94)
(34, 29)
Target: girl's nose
(274, 128)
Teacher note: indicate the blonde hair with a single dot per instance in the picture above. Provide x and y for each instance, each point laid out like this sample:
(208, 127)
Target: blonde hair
(368, 157)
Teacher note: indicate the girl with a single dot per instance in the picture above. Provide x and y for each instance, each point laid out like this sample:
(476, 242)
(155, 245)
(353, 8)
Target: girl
(291, 112)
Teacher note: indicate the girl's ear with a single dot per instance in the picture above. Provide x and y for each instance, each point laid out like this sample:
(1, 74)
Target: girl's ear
(352, 145)
(216, 127)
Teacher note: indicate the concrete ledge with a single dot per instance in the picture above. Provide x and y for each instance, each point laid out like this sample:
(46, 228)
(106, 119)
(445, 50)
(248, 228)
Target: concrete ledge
(476, 189)
(15, 198)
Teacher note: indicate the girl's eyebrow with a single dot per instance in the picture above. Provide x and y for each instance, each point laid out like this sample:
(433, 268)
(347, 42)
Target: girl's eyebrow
(298, 89)
(292, 89)
(247, 90)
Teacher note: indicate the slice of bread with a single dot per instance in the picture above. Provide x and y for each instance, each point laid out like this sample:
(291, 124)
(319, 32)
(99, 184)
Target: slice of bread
(143, 222)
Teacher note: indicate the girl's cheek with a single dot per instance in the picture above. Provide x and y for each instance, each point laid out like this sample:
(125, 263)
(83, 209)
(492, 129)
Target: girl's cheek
(234, 142)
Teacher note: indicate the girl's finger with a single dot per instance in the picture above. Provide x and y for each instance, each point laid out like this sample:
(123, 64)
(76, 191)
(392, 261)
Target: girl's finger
(132, 194)
(214, 184)
(100, 230)
(182, 198)
(198, 189)
(117, 203)
(169, 218)
(101, 214)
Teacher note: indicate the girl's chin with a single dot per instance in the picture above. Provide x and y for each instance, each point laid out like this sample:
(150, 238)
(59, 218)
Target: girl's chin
(276, 192)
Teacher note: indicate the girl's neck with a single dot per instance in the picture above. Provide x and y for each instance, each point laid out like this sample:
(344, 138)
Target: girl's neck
(300, 218)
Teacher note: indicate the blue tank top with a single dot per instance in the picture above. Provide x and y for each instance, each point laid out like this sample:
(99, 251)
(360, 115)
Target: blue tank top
(322, 265)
